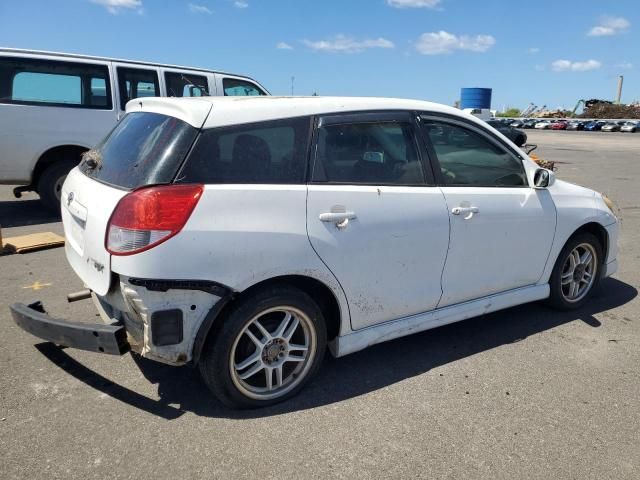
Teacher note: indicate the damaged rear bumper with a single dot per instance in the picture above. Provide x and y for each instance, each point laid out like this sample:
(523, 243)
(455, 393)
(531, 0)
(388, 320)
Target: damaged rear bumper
(102, 338)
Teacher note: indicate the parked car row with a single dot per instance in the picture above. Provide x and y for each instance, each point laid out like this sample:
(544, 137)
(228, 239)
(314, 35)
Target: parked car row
(563, 124)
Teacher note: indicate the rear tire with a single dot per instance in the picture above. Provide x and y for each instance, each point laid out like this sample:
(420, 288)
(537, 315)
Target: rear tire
(577, 272)
(50, 184)
(519, 140)
(279, 334)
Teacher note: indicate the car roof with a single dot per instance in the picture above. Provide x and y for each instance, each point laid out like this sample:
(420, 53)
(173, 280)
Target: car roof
(212, 112)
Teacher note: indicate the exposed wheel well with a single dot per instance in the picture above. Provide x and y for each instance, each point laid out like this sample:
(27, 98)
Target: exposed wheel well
(318, 291)
(53, 155)
(600, 233)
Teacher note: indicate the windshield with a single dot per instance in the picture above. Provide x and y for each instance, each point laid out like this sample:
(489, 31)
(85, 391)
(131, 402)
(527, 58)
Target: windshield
(144, 148)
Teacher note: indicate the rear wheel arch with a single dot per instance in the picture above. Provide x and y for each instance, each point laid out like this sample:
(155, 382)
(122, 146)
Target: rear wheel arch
(319, 292)
(51, 169)
(54, 155)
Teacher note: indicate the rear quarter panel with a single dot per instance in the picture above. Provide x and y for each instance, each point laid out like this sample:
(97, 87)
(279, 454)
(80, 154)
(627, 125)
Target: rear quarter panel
(239, 235)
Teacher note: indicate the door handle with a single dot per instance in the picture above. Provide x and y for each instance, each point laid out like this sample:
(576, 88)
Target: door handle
(341, 219)
(467, 211)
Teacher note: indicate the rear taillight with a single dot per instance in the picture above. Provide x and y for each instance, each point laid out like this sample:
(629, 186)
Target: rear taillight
(149, 216)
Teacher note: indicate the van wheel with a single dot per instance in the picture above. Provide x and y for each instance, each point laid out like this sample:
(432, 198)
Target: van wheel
(577, 272)
(50, 184)
(269, 346)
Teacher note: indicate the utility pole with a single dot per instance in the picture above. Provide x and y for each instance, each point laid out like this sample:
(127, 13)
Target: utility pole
(293, 79)
(619, 96)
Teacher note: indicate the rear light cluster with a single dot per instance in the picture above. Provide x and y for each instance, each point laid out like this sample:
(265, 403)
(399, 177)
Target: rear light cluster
(149, 216)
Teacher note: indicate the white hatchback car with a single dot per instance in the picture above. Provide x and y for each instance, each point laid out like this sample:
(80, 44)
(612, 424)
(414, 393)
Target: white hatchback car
(247, 235)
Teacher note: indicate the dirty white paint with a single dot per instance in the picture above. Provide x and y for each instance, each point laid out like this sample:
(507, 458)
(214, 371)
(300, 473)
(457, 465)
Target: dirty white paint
(417, 323)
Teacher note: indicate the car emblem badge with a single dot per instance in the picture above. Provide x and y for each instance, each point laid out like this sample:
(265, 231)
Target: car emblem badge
(70, 198)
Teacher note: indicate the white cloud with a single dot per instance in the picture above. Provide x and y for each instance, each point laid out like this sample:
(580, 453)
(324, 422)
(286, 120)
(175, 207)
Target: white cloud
(540, 68)
(344, 44)
(193, 8)
(283, 46)
(609, 26)
(568, 65)
(437, 43)
(625, 65)
(114, 6)
(240, 4)
(414, 3)
(534, 50)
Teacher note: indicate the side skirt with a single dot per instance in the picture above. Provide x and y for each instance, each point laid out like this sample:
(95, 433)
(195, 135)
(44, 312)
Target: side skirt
(366, 337)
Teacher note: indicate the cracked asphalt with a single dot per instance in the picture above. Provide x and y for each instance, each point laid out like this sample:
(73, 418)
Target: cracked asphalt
(523, 393)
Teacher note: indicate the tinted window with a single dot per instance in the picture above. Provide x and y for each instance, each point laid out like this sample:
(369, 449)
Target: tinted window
(240, 88)
(136, 83)
(185, 85)
(47, 82)
(368, 153)
(144, 148)
(266, 152)
(468, 158)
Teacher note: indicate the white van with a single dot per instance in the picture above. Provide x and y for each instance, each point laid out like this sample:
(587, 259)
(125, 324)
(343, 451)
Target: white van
(56, 106)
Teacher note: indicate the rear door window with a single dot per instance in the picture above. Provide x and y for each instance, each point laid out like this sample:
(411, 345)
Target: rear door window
(234, 87)
(136, 83)
(144, 148)
(54, 83)
(272, 152)
(372, 153)
(185, 85)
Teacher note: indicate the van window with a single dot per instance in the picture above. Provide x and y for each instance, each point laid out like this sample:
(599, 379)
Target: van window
(273, 152)
(54, 83)
(143, 148)
(240, 88)
(185, 85)
(136, 83)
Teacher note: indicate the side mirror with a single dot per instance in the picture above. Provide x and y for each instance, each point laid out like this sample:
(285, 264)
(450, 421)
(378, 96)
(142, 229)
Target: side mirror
(543, 178)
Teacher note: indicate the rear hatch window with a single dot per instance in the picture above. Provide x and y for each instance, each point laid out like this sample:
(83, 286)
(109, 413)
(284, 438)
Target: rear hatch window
(144, 148)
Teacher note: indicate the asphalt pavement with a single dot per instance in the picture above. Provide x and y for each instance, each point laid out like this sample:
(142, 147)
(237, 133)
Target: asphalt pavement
(528, 392)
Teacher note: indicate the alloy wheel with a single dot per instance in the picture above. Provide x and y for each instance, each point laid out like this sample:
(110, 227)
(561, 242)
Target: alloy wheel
(273, 353)
(579, 272)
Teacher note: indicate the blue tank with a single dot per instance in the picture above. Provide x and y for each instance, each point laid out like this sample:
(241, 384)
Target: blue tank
(475, 98)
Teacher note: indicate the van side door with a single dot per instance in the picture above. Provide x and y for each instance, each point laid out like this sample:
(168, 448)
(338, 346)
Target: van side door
(184, 83)
(230, 86)
(135, 81)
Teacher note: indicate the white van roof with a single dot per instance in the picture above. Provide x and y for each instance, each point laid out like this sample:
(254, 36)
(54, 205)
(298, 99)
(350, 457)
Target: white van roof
(226, 111)
(71, 56)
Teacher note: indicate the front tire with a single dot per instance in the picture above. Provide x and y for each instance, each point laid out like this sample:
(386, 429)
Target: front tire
(577, 272)
(269, 346)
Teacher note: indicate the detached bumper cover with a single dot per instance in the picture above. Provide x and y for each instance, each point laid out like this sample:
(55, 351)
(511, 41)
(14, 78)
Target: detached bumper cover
(102, 338)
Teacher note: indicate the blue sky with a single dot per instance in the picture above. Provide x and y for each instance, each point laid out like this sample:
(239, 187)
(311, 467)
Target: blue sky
(541, 51)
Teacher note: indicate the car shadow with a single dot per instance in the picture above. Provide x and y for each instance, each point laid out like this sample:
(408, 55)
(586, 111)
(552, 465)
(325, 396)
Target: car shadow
(181, 390)
(21, 213)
